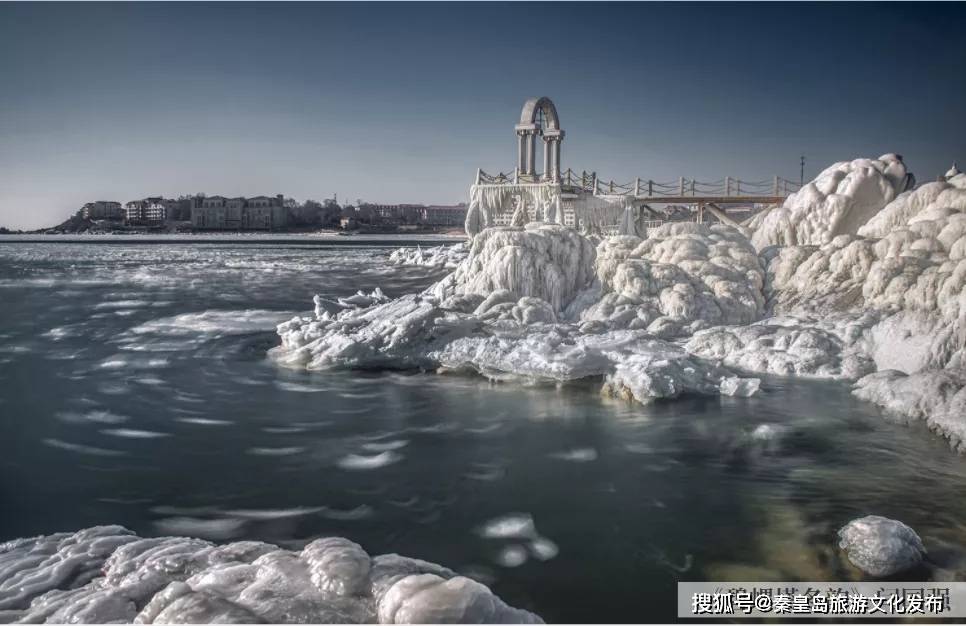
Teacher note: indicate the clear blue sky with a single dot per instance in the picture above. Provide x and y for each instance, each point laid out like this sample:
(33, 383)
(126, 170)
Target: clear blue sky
(402, 102)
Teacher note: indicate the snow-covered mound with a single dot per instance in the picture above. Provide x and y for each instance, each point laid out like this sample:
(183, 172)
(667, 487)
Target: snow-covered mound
(948, 193)
(107, 574)
(545, 261)
(840, 200)
(436, 256)
(916, 272)
(683, 277)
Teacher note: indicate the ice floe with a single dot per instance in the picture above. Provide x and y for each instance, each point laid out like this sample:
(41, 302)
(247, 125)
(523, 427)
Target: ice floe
(362, 462)
(107, 574)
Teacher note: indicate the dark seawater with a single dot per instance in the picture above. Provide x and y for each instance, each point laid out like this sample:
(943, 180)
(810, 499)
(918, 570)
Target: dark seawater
(135, 390)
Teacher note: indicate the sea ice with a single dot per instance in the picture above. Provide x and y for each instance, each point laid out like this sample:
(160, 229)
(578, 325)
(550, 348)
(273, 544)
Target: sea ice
(107, 574)
(741, 387)
(357, 462)
(510, 526)
(437, 256)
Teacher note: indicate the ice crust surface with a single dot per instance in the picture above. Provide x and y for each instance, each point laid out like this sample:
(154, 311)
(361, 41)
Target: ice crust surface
(880, 546)
(682, 278)
(107, 574)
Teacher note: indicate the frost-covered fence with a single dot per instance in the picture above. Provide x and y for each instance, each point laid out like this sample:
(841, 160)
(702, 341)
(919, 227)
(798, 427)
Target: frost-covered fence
(594, 205)
(727, 187)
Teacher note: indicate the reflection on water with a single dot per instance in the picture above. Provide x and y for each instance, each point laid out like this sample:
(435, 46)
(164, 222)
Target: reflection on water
(135, 390)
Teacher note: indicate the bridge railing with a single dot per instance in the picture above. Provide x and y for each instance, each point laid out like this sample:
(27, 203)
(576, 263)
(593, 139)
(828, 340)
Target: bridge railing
(572, 181)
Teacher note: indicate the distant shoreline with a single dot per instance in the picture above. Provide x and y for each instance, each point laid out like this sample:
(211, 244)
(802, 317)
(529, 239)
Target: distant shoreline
(372, 240)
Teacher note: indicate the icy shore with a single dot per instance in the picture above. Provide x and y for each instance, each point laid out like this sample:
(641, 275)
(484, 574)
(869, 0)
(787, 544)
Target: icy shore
(853, 275)
(107, 574)
(435, 256)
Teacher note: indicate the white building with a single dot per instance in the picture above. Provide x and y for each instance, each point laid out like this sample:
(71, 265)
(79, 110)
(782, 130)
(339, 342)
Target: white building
(150, 211)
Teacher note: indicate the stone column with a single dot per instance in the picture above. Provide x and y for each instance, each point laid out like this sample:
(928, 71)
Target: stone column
(554, 139)
(547, 167)
(531, 153)
(526, 151)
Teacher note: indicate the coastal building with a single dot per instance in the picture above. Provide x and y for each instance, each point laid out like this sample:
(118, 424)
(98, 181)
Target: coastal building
(146, 212)
(258, 213)
(391, 214)
(443, 215)
(180, 209)
(102, 210)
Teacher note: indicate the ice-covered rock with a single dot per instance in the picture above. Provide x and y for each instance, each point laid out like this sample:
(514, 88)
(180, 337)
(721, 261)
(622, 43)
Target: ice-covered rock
(880, 546)
(653, 375)
(684, 276)
(915, 277)
(395, 335)
(435, 256)
(840, 200)
(937, 396)
(944, 194)
(545, 261)
(828, 347)
(107, 574)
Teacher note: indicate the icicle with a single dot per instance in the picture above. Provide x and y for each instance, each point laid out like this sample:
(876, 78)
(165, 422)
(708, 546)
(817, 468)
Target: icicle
(629, 221)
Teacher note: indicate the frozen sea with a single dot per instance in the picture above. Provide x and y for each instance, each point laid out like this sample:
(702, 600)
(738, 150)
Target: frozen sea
(135, 389)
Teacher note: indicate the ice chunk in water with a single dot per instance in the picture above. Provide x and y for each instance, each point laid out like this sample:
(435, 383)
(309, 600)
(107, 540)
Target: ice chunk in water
(362, 462)
(741, 387)
(512, 556)
(510, 526)
(543, 549)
